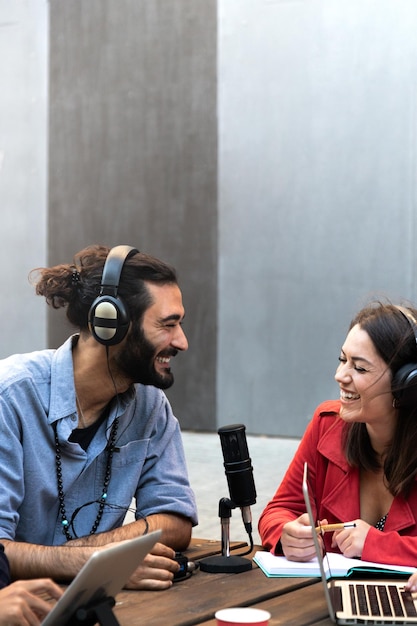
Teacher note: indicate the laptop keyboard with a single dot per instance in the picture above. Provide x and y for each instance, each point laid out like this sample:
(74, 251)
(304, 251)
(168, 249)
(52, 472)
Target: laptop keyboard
(381, 600)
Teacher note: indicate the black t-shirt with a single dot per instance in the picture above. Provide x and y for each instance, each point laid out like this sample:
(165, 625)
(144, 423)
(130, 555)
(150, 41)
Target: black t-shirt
(83, 436)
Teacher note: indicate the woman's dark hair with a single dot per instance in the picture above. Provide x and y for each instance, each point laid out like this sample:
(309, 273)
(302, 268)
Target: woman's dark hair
(75, 286)
(394, 340)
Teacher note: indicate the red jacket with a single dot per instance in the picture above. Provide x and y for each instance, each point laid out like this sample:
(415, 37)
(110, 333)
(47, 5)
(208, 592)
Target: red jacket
(334, 486)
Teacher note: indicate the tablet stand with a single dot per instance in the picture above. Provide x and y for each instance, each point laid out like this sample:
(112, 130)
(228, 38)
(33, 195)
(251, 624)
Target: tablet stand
(225, 563)
(99, 612)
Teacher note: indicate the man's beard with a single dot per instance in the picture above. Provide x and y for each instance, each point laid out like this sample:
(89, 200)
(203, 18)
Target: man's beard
(136, 361)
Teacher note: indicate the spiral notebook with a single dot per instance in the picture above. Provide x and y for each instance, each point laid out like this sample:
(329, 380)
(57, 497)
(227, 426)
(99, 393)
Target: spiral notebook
(362, 601)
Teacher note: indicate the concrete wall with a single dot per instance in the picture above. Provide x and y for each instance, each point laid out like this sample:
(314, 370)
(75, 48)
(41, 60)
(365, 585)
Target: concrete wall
(317, 192)
(133, 156)
(265, 148)
(23, 170)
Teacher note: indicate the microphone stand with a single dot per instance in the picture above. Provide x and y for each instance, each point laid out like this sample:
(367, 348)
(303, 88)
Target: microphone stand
(225, 563)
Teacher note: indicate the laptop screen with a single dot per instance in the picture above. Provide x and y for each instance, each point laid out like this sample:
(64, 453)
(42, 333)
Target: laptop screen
(318, 549)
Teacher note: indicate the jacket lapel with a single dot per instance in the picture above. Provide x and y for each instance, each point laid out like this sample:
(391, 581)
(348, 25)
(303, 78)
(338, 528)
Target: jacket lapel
(343, 487)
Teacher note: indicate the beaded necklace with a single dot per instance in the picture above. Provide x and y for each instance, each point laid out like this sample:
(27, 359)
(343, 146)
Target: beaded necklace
(64, 520)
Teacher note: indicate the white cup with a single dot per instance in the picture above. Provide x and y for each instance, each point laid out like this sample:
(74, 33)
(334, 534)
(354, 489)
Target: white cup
(239, 616)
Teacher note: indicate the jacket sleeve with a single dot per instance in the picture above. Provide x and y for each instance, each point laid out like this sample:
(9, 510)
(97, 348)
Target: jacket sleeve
(288, 502)
(391, 548)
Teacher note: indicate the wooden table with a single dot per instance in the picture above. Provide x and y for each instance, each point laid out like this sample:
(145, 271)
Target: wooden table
(291, 601)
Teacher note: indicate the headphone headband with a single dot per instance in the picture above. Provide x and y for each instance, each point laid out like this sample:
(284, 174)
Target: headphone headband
(112, 269)
(404, 382)
(108, 317)
(410, 319)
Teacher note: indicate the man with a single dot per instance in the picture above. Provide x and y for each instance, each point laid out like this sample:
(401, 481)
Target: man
(86, 428)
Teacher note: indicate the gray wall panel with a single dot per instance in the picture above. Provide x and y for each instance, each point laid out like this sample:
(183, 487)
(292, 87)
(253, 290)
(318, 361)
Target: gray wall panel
(317, 180)
(133, 156)
(314, 138)
(23, 170)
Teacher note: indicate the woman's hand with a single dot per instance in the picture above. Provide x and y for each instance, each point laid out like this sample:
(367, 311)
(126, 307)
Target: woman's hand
(350, 541)
(21, 603)
(297, 539)
(156, 571)
(411, 584)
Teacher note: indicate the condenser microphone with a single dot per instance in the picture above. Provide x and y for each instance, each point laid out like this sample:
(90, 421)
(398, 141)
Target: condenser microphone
(238, 470)
(239, 474)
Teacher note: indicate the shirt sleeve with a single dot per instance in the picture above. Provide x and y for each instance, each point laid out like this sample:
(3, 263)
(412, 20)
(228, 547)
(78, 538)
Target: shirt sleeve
(11, 482)
(164, 484)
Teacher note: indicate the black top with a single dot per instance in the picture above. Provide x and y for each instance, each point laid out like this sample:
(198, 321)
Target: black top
(4, 569)
(84, 436)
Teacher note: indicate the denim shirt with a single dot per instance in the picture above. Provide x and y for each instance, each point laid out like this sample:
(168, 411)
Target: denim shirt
(37, 392)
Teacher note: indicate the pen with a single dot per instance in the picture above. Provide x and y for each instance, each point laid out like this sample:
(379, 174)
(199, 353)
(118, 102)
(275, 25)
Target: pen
(329, 527)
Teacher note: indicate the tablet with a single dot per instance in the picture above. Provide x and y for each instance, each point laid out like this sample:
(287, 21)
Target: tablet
(102, 576)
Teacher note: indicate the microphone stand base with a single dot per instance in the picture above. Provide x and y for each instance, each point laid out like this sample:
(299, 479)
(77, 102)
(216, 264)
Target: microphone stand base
(225, 564)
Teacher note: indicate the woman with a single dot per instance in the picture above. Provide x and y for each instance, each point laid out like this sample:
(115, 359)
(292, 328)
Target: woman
(361, 451)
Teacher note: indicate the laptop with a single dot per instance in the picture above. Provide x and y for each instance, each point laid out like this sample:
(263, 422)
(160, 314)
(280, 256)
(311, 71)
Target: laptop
(367, 601)
(100, 579)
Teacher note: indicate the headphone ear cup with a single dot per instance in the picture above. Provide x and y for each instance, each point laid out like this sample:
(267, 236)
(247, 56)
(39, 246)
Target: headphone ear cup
(404, 386)
(109, 320)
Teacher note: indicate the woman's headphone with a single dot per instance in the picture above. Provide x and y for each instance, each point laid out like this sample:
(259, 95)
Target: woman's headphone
(404, 382)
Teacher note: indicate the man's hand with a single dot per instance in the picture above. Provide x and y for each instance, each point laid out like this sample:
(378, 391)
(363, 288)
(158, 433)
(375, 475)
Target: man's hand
(157, 570)
(297, 539)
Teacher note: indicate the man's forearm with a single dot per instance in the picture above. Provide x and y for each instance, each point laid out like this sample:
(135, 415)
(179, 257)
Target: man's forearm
(28, 560)
(176, 532)
(62, 563)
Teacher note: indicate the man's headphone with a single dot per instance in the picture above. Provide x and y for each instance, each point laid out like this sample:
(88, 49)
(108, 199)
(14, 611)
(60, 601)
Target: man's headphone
(108, 317)
(404, 382)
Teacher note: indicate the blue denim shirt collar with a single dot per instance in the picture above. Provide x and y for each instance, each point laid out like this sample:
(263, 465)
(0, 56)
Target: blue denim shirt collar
(62, 399)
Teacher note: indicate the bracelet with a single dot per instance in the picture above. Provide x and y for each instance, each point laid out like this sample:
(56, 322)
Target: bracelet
(146, 526)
